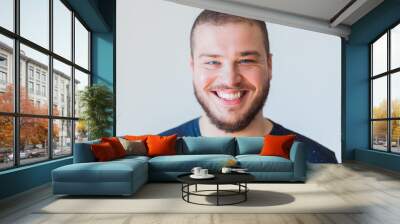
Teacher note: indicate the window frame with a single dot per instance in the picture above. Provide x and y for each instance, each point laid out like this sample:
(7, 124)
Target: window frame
(16, 115)
(388, 74)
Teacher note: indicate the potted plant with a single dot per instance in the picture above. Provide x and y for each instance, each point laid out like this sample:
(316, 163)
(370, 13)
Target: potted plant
(96, 102)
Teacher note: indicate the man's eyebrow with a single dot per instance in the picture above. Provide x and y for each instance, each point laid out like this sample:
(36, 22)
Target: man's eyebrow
(244, 53)
(249, 53)
(209, 55)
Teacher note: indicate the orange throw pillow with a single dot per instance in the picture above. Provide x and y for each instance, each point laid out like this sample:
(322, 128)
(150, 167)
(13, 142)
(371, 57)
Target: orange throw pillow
(277, 145)
(103, 151)
(161, 145)
(116, 145)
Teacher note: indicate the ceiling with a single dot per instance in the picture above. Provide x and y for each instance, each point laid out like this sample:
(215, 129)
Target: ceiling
(326, 16)
(319, 9)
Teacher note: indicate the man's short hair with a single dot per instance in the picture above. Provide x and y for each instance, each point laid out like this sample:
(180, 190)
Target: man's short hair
(219, 18)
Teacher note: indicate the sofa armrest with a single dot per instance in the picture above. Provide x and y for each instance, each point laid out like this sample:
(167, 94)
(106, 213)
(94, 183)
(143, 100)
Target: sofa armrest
(298, 157)
(83, 152)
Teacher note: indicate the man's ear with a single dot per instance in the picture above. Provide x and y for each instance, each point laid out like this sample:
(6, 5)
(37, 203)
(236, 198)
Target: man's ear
(269, 65)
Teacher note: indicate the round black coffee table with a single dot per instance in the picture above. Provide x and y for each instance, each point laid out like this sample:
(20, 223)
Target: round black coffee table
(238, 179)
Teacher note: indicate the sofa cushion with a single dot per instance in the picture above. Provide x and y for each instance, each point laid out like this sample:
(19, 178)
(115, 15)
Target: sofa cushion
(116, 145)
(277, 145)
(103, 152)
(161, 145)
(249, 145)
(134, 147)
(185, 163)
(120, 170)
(132, 158)
(83, 152)
(257, 163)
(207, 145)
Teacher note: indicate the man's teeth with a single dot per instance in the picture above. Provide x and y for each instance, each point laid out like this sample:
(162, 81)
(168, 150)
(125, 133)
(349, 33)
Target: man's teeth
(229, 96)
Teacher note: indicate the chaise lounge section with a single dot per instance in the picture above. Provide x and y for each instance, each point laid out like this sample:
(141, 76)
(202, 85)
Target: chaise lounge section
(88, 177)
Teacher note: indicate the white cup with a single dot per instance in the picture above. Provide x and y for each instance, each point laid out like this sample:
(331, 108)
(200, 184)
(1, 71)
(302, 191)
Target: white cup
(196, 171)
(226, 170)
(203, 172)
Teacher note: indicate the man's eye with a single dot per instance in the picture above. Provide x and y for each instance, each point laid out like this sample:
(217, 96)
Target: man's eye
(246, 61)
(212, 63)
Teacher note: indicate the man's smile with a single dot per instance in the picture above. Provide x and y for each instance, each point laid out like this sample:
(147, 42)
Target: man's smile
(230, 97)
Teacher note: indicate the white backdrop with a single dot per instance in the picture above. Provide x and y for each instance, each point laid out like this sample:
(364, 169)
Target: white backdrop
(154, 85)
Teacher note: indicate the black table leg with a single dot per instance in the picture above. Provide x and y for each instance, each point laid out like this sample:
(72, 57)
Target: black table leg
(196, 188)
(217, 194)
(188, 190)
(245, 193)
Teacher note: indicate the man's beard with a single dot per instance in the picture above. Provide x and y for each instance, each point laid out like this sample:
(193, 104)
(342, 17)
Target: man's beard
(244, 120)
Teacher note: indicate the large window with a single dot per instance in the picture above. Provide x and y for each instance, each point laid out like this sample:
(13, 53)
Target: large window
(44, 64)
(385, 91)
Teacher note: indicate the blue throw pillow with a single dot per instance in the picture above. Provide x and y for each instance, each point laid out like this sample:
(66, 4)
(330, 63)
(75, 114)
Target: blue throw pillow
(249, 145)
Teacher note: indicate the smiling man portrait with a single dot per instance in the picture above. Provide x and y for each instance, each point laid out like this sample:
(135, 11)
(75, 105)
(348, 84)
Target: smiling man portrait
(231, 67)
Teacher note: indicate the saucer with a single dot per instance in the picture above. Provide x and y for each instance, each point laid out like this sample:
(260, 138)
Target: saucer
(240, 171)
(208, 176)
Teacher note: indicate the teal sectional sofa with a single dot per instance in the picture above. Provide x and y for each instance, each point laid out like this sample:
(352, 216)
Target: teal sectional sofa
(125, 176)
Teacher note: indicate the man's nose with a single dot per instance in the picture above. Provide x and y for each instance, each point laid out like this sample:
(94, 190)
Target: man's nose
(230, 75)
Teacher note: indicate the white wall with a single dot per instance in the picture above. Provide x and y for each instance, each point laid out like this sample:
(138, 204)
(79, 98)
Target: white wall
(305, 93)
(154, 85)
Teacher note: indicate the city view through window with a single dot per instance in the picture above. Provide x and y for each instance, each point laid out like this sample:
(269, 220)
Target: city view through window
(385, 91)
(39, 114)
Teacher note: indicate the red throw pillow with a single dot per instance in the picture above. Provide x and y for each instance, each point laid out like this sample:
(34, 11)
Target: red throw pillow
(103, 151)
(116, 145)
(277, 145)
(161, 145)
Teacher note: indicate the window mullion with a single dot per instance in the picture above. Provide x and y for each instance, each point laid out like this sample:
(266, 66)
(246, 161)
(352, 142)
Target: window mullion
(371, 98)
(389, 112)
(16, 83)
(50, 81)
(73, 82)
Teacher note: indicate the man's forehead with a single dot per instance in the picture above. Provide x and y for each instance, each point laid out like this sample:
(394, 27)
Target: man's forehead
(228, 24)
(236, 37)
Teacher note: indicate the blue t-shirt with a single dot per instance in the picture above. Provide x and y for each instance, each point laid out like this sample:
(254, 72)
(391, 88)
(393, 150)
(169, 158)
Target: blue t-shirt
(316, 153)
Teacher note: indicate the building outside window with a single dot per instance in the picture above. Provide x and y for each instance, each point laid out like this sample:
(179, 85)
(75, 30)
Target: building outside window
(3, 78)
(3, 72)
(43, 77)
(3, 61)
(30, 87)
(37, 75)
(30, 72)
(38, 89)
(43, 90)
(55, 100)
